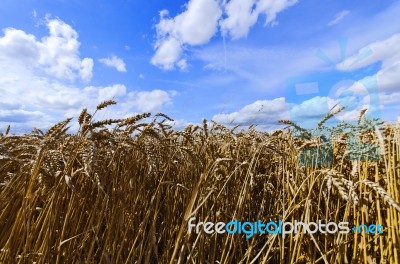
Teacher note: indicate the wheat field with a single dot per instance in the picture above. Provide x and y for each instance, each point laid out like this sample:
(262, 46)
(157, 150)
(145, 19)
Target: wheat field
(122, 191)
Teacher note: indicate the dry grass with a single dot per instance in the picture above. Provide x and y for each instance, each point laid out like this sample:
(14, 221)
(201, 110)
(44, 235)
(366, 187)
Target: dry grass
(121, 191)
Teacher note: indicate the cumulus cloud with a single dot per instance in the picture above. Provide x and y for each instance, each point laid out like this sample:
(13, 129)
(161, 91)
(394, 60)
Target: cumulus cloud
(200, 21)
(386, 81)
(56, 54)
(241, 15)
(313, 108)
(339, 17)
(389, 98)
(167, 54)
(19, 116)
(151, 101)
(114, 62)
(387, 51)
(309, 112)
(39, 81)
(194, 26)
(264, 113)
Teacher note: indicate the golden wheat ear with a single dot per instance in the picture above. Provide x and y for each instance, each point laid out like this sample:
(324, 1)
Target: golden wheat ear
(105, 104)
(382, 193)
(57, 129)
(125, 191)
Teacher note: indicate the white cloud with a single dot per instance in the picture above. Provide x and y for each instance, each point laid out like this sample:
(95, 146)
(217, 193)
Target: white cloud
(249, 64)
(19, 116)
(57, 54)
(151, 101)
(339, 17)
(313, 108)
(38, 92)
(114, 62)
(167, 54)
(195, 26)
(264, 113)
(110, 92)
(389, 98)
(380, 91)
(386, 81)
(86, 69)
(200, 21)
(182, 64)
(309, 112)
(241, 15)
(387, 51)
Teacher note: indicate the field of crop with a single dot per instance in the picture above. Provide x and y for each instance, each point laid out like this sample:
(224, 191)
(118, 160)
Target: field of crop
(122, 191)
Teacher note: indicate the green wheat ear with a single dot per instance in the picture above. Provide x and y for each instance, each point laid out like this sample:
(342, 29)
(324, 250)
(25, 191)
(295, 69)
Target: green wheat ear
(361, 115)
(296, 126)
(329, 115)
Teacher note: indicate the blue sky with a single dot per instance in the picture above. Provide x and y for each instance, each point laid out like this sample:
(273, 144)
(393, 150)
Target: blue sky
(236, 62)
